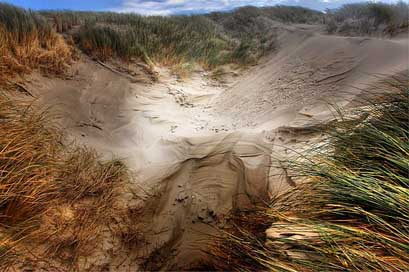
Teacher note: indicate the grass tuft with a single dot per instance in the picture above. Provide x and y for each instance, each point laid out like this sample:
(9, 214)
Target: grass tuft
(56, 202)
(28, 42)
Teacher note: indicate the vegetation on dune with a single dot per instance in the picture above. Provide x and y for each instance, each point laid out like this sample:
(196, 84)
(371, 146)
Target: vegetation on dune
(54, 201)
(160, 39)
(165, 40)
(369, 19)
(240, 37)
(255, 28)
(28, 42)
(294, 14)
(352, 213)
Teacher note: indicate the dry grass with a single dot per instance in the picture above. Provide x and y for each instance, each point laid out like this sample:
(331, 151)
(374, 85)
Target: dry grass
(27, 162)
(27, 42)
(353, 213)
(55, 202)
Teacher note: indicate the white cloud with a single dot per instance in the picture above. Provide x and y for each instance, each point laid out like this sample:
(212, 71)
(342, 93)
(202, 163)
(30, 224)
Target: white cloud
(168, 7)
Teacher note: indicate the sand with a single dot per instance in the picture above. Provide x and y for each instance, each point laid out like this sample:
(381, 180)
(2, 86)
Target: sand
(200, 149)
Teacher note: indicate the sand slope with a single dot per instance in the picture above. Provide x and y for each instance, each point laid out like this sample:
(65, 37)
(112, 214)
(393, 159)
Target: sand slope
(200, 149)
(310, 69)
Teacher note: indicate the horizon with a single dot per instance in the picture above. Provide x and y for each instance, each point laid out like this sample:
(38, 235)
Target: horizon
(174, 7)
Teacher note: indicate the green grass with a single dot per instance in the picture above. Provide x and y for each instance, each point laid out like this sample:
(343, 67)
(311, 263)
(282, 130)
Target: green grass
(23, 23)
(353, 212)
(160, 39)
(239, 37)
(165, 40)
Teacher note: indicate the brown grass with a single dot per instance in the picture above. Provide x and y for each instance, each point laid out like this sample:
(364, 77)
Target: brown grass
(20, 53)
(21, 57)
(55, 202)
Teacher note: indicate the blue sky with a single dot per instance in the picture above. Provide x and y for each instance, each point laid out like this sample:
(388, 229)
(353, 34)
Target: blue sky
(167, 7)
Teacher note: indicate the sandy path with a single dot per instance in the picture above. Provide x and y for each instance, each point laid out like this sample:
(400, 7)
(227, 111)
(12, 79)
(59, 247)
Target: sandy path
(170, 137)
(200, 170)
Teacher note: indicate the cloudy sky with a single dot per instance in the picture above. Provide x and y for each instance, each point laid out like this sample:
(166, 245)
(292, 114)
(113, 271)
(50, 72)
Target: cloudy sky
(167, 7)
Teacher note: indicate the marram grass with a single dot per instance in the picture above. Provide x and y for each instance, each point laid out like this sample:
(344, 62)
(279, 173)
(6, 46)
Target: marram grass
(28, 42)
(239, 37)
(55, 201)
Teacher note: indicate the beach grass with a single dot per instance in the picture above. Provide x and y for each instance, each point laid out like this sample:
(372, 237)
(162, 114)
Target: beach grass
(53, 198)
(28, 42)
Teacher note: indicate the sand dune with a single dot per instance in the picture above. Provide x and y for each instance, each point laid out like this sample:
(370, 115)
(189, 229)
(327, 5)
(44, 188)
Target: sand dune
(208, 148)
(310, 70)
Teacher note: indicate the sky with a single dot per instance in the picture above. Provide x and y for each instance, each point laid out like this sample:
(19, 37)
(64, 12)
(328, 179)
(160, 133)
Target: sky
(169, 7)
